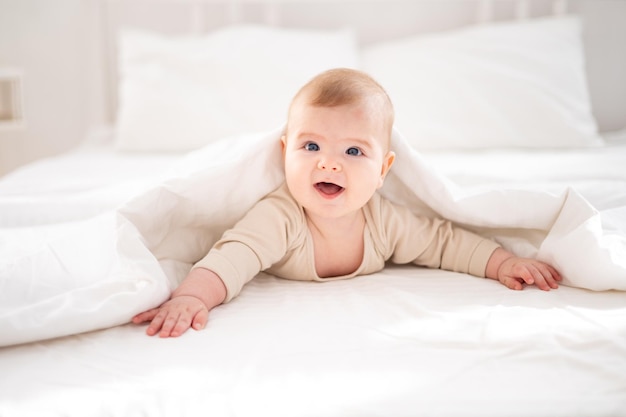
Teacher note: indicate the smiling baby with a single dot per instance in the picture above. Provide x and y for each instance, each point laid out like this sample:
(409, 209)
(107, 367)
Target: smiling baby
(327, 221)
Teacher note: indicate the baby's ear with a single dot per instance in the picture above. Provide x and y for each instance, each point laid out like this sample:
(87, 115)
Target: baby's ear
(283, 143)
(387, 163)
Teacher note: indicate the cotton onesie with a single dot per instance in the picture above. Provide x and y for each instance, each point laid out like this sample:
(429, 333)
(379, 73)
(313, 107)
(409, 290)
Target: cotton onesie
(273, 237)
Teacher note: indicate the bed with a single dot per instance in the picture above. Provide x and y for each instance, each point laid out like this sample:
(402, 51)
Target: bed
(508, 133)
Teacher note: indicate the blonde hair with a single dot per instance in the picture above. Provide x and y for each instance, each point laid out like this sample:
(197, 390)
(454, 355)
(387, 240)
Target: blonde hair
(340, 86)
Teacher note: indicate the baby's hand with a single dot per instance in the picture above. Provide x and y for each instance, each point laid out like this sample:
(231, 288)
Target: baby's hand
(514, 271)
(175, 316)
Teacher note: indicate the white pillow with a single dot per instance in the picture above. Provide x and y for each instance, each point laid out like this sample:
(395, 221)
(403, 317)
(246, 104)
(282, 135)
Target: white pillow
(181, 92)
(519, 84)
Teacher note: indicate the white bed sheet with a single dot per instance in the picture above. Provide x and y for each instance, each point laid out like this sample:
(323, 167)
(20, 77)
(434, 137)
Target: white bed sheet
(403, 342)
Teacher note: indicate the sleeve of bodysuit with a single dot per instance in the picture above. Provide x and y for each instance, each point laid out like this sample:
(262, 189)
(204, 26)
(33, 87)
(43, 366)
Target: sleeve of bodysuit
(433, 242)
(258, 240)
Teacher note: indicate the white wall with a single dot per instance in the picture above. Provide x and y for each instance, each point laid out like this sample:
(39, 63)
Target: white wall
(53, 44)
(605, 50)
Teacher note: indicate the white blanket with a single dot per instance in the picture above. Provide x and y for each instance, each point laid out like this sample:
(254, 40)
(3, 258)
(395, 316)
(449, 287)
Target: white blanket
(76, 277)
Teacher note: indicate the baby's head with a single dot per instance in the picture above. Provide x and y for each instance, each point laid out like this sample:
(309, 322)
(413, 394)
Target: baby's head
(336, 142)
(344, 86)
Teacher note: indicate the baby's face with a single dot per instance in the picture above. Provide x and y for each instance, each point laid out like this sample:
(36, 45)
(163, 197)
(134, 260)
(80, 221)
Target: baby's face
(335, 157)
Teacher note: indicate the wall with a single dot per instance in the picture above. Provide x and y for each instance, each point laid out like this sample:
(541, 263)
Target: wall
(605, 50)
(53, 44)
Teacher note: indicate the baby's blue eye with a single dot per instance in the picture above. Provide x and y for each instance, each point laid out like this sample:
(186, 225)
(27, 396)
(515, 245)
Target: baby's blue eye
(312, 146)
(354, 151)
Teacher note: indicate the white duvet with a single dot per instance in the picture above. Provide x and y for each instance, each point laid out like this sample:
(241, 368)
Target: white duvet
(74, 277)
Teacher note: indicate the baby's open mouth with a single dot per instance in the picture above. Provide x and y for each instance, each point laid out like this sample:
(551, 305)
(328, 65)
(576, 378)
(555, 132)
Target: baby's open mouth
(328, 188)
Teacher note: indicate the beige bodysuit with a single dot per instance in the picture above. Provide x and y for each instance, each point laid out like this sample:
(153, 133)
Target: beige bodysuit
(273, 237)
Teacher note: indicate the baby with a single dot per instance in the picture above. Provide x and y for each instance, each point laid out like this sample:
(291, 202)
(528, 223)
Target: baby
(327, 221)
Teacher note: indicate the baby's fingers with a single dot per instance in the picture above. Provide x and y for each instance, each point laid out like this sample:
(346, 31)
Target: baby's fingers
(543, 276)
(511, 283)
(185, 321)
(550, 275)
(157, 323)
(145, 316)
(174, 325)
(514, 272)
(200, 320)
(555, 274)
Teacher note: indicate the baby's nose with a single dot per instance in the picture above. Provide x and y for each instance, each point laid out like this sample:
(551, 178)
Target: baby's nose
(326, 164)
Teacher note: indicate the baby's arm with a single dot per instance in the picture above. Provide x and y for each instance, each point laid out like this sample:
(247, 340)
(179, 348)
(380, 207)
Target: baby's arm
(188, 306)
(513, 271)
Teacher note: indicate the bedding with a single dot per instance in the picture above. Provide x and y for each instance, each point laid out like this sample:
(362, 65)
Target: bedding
(80, 184)
(132, 258)
(513, 84)
(234, 80)
(404, 341)
(506, 84)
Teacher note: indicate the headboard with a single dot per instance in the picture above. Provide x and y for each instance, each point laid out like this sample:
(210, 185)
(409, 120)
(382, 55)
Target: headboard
(378, 20)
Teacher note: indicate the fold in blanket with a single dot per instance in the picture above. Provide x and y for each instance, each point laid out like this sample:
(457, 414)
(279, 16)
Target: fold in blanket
(71, 278)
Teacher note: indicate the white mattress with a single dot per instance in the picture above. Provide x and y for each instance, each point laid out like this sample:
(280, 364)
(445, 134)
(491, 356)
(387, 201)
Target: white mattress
(403, 342)
(406, 341)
